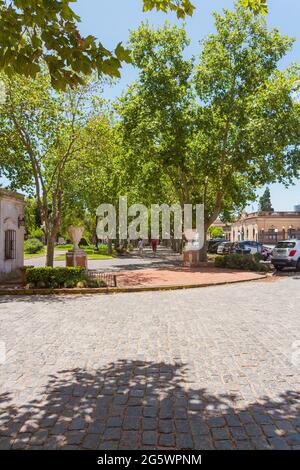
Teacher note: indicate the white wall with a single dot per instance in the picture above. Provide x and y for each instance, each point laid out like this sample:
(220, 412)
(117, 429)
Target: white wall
(11, 208)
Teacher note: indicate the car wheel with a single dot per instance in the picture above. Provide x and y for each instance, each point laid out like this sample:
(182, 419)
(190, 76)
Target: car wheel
(298, 265)
(279, 268)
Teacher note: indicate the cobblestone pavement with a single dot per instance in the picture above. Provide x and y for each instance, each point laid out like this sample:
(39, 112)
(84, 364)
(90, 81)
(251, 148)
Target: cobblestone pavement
(164, 258)
(214, 368)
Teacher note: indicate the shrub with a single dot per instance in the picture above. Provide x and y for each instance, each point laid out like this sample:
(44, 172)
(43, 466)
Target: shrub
(236, 261)
(94, 282)
(55, 277)
(33, 245)
(37, 233)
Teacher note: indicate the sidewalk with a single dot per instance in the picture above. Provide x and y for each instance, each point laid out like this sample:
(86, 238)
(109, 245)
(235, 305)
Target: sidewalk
(202, 276)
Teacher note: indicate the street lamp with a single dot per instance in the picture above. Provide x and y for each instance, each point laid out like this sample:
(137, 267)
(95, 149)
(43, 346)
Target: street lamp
(276, 234)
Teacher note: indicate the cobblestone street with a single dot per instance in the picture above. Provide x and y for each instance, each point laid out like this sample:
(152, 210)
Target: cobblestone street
(213, 368)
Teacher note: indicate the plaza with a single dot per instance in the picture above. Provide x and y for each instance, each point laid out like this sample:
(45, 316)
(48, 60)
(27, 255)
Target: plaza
(214, 368)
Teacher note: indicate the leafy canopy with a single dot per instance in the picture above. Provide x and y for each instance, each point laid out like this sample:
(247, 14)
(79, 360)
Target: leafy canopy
(223, 128)
(47, 30)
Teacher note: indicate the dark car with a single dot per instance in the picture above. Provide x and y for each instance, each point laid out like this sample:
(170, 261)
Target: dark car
(212, 245)
(225, 248)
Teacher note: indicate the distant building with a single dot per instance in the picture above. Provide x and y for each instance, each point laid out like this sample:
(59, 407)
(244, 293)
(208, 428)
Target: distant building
(226, 228)
(11, 232)
(266, 227)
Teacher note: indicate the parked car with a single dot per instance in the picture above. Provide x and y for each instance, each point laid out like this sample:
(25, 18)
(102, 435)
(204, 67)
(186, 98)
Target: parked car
(241, 249)
(267, 252)
(225, 248)
(254, 247)
(212, 245)
(286, 254)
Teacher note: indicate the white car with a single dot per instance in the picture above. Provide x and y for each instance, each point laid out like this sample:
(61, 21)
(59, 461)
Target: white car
(286, 254)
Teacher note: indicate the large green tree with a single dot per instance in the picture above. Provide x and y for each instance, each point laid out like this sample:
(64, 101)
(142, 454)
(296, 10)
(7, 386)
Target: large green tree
(156, 112)
(46, 31)
(223, 128)
(40, 133)
(249, 126)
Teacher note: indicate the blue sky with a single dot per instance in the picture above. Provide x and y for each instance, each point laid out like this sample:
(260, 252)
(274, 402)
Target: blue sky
(111, 20)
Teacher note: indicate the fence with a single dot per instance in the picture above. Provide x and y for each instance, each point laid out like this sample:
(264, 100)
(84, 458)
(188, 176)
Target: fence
(273, 237)
(109, 279)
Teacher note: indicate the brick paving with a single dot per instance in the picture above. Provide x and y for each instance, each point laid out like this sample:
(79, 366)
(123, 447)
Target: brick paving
(175, 276)
(214, 368)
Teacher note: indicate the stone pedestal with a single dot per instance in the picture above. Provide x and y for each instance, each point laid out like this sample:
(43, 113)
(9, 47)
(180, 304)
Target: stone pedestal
(76, 258)
(191, 258)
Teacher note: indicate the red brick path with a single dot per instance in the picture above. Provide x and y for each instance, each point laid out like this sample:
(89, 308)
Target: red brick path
(182, 276)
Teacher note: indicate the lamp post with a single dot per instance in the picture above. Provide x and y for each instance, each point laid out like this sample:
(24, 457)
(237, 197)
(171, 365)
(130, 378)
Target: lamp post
(276, 235)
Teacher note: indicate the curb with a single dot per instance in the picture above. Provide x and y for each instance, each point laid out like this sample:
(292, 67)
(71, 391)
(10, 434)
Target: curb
(120, 290)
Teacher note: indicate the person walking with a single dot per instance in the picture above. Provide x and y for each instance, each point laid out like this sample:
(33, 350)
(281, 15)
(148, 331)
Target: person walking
(154, 243)
(141, 244)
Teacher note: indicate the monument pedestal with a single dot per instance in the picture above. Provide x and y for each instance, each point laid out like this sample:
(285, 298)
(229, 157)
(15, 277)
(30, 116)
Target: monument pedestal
(191, 258)
(76, 258)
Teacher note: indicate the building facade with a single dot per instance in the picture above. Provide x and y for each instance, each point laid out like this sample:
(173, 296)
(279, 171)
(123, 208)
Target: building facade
(11, 232)
(224, 226)
(266, 227)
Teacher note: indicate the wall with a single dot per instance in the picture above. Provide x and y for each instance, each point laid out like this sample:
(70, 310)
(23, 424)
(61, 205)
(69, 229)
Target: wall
(260, 225)
(11, 208)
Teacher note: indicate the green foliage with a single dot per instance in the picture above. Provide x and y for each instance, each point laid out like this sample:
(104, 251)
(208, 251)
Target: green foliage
(95, 282)
(216, 232)
(243, 262)
(157, 112)
(265, 204)
(33, 245)
(47, 31)
(37, 232)
(218, 130)
(249, 127)
(54, 277)
(40, 133)
(257, 6)
(182, 8)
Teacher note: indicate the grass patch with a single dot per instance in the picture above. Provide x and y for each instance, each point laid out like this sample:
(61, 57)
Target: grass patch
(103, 249)
(89, 250)
(89, 257)
(35, 255)
(63, 247)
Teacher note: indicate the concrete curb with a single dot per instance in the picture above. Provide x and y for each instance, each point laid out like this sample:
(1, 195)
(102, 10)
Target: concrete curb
(120, 290)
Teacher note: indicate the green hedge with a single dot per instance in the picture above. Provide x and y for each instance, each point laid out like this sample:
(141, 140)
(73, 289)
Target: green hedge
(54, 277)
(236, 261)
(33, 245)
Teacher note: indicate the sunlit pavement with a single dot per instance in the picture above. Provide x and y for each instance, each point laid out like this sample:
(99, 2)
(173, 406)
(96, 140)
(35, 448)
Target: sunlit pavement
(194, 369)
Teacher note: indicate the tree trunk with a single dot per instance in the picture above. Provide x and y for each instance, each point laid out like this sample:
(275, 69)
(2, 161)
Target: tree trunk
(50, 250)
(203, 250)
(109, 247)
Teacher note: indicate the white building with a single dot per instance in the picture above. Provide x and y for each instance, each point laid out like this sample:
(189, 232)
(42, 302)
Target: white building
(11, 232)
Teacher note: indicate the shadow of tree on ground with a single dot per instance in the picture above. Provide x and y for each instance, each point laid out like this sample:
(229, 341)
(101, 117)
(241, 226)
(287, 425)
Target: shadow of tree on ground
(144, 405)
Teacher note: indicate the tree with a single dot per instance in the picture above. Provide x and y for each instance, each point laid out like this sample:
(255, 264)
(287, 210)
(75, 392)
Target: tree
(240, 132)
(40, 133)
(216, 232)
(92, 176)
(265, 204)
(46, 31)
(157, 111)
(249, 132)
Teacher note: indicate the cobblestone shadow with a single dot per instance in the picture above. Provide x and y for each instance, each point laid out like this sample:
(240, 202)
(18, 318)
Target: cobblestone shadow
(143, 405)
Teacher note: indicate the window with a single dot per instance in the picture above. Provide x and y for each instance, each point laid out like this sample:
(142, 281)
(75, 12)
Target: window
(10, 244)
